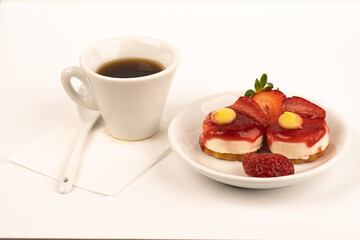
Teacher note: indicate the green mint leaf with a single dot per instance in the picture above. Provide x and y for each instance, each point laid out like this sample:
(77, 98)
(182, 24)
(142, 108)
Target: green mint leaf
(268, 87)
(249, 93)
(263, 80)
(258, 86)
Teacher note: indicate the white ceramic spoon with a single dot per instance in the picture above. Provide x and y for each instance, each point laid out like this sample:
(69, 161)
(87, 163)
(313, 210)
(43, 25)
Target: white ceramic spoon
(86, 120)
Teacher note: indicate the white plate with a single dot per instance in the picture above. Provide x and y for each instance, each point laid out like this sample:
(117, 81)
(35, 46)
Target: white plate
(184, 132)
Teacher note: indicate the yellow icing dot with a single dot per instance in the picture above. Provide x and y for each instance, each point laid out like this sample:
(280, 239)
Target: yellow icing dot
(289, 120)
(223, 116)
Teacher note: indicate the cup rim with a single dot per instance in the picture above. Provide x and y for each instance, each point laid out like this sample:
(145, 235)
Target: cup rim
(167, 70)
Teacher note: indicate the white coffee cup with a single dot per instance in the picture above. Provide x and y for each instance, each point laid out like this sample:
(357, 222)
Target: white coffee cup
(130, 107)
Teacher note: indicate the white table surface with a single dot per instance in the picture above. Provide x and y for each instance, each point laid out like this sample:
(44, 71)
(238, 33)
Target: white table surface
(308, 48)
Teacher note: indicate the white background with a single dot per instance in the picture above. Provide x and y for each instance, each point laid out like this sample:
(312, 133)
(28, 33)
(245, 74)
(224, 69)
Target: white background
(310, 48)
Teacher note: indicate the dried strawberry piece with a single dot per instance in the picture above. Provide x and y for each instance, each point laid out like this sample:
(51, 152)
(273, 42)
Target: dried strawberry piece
(267, 165)
(250, 108)
(270, 102)
(303, 107)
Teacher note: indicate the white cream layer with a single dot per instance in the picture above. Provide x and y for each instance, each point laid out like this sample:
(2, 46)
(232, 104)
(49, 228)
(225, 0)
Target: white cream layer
(299, 150)
(234, 147)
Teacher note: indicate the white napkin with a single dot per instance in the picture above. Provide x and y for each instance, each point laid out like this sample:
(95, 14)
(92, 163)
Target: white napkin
(108, 165)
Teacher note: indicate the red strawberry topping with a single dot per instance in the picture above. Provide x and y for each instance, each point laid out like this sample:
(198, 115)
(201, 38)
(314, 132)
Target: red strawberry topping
(303, 108)
(270, 102)
(267, 165)
(250, 108)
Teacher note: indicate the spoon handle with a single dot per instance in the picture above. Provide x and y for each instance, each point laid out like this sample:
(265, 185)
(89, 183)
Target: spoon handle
(69, 175)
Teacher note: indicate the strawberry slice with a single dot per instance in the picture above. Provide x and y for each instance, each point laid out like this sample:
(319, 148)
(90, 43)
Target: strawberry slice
(270, 102)
(250, 108)
(302, 107)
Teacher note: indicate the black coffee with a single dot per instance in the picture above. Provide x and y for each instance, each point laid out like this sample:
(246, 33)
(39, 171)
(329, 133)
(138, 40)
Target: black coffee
(129, 68)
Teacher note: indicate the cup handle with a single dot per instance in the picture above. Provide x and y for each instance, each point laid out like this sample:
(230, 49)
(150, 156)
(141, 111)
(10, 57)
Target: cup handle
(87, 101)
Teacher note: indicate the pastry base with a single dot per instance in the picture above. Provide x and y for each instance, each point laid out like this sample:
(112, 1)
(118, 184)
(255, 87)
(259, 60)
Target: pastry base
(239, 157)
(311, 158)
(224, 156)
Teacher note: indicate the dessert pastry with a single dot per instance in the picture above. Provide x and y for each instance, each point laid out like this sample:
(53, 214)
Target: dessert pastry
(231, 132)
(304, 141)
(293, 127)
